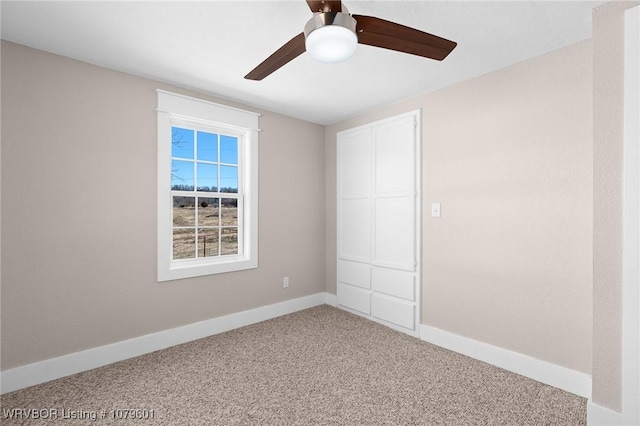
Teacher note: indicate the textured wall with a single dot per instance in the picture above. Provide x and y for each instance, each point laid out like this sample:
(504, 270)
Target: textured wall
(79, 216)
(509, 156)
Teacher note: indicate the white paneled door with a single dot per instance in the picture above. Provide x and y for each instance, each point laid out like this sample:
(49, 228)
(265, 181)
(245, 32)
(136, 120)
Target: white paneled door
(378, 179)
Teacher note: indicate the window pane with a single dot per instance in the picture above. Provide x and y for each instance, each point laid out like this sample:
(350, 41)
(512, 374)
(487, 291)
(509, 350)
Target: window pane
(207, 146)
(229, 241)
(184, 243)
(184, 211)
(208, 211)
(181, 143)
(207, 177)
(182, 175)
(228, 149)
(229, 212)
(207, 242)
(228, 179)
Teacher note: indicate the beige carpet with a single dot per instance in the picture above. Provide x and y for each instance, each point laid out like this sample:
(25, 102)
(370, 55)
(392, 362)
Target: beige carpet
(321, 366)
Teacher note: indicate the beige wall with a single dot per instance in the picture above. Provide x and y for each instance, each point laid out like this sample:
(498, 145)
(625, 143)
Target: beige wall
(79, 217)
(608, 133)
(509, 156)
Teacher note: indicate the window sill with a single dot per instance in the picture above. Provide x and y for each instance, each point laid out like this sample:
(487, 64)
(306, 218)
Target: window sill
(179, 271)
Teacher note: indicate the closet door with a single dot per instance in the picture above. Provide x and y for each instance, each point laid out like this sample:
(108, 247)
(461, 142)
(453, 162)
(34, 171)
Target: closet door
(378, 221)
(394, 241)
(354, 220)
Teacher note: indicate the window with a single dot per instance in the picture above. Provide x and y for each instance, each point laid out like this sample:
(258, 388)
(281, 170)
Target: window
(207, 207)
(207, 188)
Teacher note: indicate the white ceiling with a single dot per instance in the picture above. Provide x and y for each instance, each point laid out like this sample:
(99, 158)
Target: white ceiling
(210, 46)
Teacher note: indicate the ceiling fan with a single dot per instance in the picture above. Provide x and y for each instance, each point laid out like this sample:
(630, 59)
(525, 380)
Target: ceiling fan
(332, 34)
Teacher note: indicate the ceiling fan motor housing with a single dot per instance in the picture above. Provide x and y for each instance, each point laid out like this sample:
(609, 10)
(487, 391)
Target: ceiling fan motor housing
(331, 36)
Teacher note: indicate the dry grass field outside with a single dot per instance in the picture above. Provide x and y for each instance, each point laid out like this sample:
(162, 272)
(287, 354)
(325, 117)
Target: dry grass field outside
(217, 227)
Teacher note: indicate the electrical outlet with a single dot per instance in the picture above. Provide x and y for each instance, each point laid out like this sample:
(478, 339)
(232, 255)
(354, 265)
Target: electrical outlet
(285, 282)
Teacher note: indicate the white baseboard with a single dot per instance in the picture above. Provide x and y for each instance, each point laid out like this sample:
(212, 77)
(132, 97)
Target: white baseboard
(554, 375)
(598, 415)
(55, 368)
(331, 299)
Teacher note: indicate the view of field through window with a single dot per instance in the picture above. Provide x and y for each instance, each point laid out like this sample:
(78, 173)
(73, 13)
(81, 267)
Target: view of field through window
(204, 186)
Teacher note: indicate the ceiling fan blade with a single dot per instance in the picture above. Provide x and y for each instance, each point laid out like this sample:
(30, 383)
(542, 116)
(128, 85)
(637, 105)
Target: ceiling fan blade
(389, 35)
(291, 50)
(325, 5)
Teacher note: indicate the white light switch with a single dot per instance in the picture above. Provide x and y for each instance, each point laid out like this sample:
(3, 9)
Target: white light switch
(435, 209)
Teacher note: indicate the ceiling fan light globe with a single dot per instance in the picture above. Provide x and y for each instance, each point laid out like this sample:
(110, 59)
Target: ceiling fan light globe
(331, 44)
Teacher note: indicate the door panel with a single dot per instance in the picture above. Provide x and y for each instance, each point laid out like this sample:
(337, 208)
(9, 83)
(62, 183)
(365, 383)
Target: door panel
(354, 298)
(395, 157)
(354, 273)
(355, 230)
(394, 283)
(394, 311)
(355, 165)
(394, 233)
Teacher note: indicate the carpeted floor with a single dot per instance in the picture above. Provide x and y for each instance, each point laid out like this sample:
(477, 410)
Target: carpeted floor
(321, 366)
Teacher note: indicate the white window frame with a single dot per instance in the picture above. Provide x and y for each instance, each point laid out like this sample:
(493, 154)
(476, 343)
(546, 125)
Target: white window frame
(176, 109)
